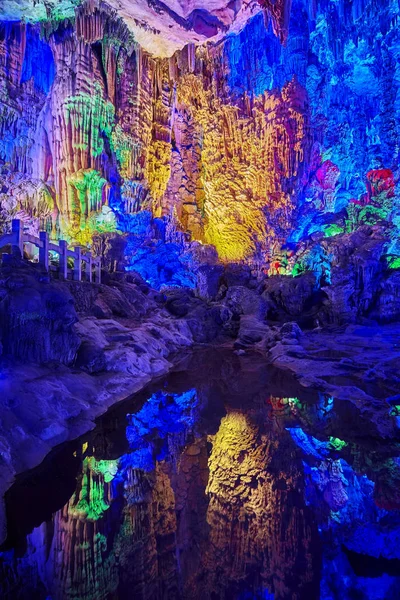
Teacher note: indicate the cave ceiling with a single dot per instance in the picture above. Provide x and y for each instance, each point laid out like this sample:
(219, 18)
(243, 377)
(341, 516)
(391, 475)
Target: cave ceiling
(161, 27)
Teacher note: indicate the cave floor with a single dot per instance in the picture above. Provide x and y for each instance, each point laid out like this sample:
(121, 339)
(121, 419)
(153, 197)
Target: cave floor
(355, 360)
(231, 477)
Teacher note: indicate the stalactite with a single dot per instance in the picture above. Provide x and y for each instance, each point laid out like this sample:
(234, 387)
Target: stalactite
(243, 139)
(279, 11)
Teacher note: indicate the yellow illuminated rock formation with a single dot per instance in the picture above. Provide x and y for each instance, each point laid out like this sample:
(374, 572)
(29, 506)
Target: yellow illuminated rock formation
(123, 128)
(245, 160)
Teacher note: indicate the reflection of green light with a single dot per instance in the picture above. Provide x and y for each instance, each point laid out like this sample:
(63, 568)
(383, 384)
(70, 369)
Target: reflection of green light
(294, 403)
(395, 411)
(92, 502)
(336, 443)
(394, 263)
(332, 230)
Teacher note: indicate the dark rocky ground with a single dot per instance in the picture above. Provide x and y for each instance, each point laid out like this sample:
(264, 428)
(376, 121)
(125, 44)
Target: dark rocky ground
(70, 350)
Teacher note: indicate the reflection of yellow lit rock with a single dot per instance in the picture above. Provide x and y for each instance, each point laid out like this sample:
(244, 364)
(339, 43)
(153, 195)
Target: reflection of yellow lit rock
(257, 515)
(237, 462)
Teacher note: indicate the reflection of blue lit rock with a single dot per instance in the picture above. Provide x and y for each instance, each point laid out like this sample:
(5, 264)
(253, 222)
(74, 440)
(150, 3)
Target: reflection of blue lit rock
(328, 474)
(370, 534)
(162, 414)
(161, 417)
(355, 530)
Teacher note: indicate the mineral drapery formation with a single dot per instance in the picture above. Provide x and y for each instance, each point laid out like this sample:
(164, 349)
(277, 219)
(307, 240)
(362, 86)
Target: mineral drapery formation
(281, 131)
(248, 149)
(279, 11)
(120, 129)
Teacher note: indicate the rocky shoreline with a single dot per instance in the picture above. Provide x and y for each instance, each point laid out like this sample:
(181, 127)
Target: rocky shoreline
(72, 349)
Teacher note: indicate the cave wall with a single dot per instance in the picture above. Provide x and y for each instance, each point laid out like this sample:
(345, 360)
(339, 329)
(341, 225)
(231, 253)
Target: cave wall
(287, 128)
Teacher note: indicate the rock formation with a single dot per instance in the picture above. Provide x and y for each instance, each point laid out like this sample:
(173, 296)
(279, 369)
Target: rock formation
(218, 490)
(235, 167)
(252, 145)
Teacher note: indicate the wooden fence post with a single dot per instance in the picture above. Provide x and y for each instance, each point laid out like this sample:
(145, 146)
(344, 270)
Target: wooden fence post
(78, 264)
(18, 233)
(44, 249)
(89, 266)
(98, 270)
(92, 264)
(63, 260)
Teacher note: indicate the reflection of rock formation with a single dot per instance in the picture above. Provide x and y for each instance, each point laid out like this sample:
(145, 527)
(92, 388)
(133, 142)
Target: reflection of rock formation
(95, 548)
(72, 555)
(146, 543)
(81, 560)
(201, 508)
(189, 480)
(261, 533)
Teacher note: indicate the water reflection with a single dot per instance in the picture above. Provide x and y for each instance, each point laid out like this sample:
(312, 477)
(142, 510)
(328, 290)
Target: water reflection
(226, 481)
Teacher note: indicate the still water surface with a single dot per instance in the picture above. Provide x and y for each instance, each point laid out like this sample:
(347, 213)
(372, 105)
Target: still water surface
(224, 481)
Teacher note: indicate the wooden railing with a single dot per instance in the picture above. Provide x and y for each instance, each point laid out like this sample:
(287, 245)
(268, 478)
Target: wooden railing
(92, 266)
